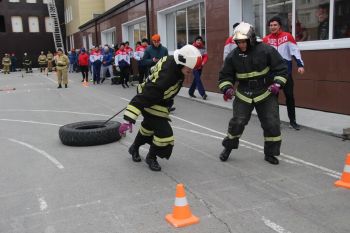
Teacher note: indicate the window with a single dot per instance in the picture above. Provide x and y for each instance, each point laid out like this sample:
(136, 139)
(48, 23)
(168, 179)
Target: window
(46, 1)
(49, 24)
(318, 24)
(2, 24)
(183, 25)
(68, 14)
(13, 0)
(33, 24)
(108, 36)
(31, 1)
(17, 25)
(136, 33)
(84, 42)
(90, 41)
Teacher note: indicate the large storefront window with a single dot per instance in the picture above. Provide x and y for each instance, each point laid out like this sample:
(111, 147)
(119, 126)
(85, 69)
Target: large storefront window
(311, 20)
(108, 37)
(137, 32)
(254, 17)
(341, 19)
(186, 24)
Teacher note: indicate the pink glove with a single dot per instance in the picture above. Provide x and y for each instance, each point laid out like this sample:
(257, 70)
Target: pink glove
(125, 127)
(229, 94)
(274, 88)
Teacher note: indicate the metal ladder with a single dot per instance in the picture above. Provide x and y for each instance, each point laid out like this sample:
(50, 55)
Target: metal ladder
(57, 35)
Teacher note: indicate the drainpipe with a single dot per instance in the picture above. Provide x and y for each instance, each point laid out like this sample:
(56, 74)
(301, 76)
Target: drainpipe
(147, 20)
(96, 36)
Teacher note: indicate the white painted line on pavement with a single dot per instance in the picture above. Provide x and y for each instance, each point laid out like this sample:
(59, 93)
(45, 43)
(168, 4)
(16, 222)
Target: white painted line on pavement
(326, 170)
(274, 226)
(56, 111)
(43, 204)
(33, 122)
(49, 157)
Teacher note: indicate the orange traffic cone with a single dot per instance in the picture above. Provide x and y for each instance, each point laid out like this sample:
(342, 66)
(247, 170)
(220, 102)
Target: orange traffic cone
(181, 215)
(345, 178)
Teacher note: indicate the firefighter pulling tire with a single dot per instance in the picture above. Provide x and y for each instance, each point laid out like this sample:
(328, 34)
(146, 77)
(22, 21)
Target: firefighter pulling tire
(89, 133)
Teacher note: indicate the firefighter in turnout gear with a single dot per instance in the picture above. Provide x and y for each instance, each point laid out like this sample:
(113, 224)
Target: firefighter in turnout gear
(153, 100)
(49, 57)
(6, 63)
(27, 63)
(260, 72)
(42, 60)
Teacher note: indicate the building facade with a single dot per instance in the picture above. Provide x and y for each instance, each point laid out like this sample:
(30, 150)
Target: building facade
(321, 27)
(77, 13)
(25, 26)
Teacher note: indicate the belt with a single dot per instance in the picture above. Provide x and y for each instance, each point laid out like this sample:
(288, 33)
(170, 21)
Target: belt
(255, 83)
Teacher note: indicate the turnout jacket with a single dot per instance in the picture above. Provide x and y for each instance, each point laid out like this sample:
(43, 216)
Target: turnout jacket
(255, 70)
(157, 93)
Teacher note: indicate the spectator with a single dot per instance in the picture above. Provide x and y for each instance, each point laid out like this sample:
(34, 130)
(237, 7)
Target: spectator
(138, 55)
(154, 52)
(197, 82)
(107, 59)
(83, 62)
(72, 60)
(13, 62)
(287, 47)
(96, 61)
(323, 19)
(122, 60)
(230, 43)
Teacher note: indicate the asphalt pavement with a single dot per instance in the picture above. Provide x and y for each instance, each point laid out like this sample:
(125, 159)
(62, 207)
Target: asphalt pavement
(51, 188)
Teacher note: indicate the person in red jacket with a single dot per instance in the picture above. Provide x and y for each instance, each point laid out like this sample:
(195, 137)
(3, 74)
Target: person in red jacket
(83, 62)
(197, 82)
(230, 43)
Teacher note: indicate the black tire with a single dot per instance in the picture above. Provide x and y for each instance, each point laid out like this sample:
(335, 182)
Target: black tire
(89, 133)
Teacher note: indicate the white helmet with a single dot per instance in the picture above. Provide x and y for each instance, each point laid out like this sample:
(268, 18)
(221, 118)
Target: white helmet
(188, 56)
(244, 31)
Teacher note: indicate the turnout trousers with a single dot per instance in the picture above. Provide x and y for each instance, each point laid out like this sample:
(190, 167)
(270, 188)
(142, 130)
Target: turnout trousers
(157, 132)
(268, 114)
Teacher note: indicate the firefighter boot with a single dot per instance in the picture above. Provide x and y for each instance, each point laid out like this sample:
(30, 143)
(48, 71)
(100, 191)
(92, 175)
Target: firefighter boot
(134, 151)
(225, 154)
(271, 159)
(151, 160)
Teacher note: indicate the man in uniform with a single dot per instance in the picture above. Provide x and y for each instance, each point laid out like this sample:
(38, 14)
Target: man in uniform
(6, 63)
(62, 68)
(153, 100)
(261, 72)
(42, 61)
(27, 63)
(49, 57)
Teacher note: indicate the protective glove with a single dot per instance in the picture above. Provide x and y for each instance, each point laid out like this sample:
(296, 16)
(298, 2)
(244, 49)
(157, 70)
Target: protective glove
(125, 127)
(274, 88)
(229, 94)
